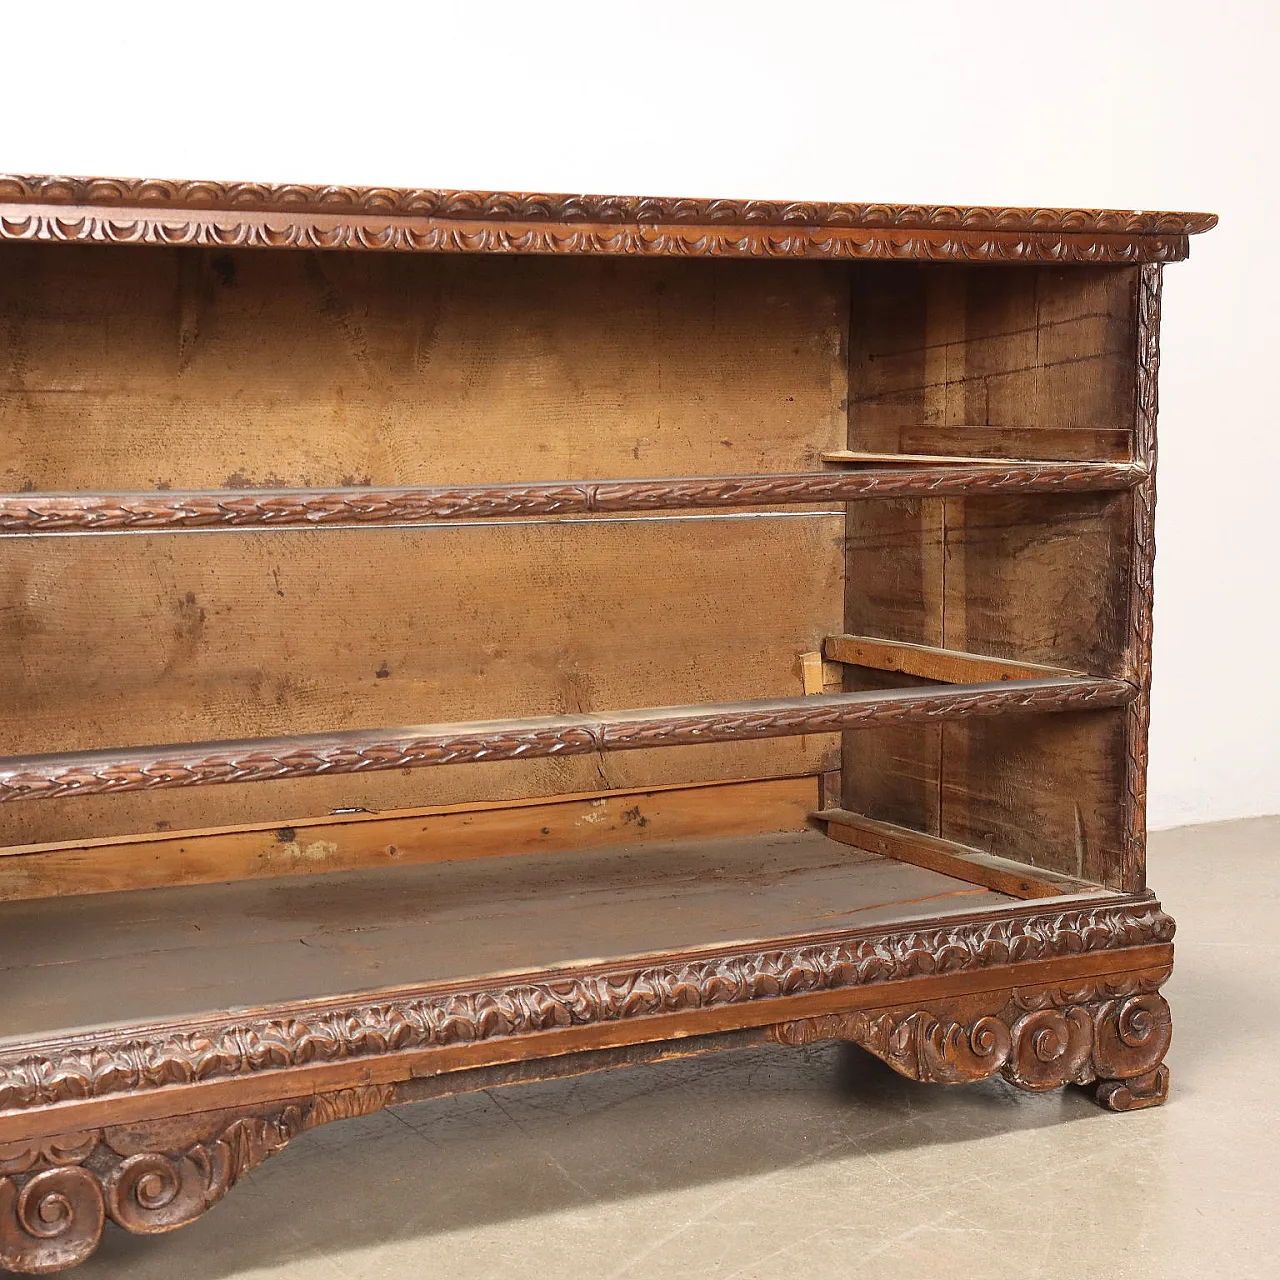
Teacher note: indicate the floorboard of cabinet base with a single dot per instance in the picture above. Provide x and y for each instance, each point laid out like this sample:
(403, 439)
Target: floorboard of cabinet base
(109, 959)
(159, 1044)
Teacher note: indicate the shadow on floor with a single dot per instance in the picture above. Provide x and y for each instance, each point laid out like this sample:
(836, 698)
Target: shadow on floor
(535, 1149)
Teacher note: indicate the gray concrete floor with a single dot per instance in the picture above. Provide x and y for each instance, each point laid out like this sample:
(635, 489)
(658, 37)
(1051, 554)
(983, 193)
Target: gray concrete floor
(812, 1163)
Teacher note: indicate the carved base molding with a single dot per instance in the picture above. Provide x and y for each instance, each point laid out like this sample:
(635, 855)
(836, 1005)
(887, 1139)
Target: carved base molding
(56, 1195)
(1113, 1032)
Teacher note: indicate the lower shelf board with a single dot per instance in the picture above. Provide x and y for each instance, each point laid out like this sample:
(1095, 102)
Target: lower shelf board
(159, 1044)
(110, 959)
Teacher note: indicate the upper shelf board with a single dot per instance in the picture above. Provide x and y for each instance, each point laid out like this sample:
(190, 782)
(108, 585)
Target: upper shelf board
(262, 215)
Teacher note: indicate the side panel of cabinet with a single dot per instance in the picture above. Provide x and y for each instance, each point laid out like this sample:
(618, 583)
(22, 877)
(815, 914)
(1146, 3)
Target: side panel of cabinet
(1029, 362)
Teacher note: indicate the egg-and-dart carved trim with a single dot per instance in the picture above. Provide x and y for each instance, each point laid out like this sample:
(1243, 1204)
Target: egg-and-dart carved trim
(258, 215)
(506, 206)
(97, 1064)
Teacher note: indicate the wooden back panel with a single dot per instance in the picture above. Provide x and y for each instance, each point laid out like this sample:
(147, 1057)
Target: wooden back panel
(144, 368)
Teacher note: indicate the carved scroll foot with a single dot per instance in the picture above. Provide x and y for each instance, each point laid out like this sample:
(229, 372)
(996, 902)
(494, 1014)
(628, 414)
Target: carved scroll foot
(57, 1193)
(1149, 1090)
(1114, 1033)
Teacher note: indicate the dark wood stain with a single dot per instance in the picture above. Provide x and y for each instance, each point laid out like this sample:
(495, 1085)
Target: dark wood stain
(832, 496)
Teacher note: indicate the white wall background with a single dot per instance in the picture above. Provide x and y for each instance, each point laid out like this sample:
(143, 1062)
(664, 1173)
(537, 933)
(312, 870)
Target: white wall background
(1163, 104)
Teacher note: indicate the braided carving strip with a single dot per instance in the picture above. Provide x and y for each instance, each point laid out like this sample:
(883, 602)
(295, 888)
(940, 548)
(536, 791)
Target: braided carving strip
(505, 206)
(1142, 559)
(841, 712)
(94, 1065)
(311, 755)
(56, 513)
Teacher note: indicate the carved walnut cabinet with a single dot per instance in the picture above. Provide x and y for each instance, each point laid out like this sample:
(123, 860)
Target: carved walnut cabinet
(457, 638)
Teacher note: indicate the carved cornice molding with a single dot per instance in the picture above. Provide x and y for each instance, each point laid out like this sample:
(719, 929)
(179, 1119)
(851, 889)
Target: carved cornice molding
(156, 211)
(508, 206)
(187, 1052)
(234, 509)
(370, 751)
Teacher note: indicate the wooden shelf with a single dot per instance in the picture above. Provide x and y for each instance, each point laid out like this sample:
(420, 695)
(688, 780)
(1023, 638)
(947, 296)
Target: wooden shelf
(363, 751)
(307, 508)
(77, 962)
(121, 1007)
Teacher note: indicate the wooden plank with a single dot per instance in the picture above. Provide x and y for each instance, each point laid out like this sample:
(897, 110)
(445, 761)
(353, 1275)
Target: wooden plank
(944, 856)
(1083, 444)
(353, 508)
(950, 666)
(413, 1064)
(812, 673)
(148, 368)
(112, 771)
(859, 457)
(451, 833)
(1034, 364)
(225, 635)
(123, 957)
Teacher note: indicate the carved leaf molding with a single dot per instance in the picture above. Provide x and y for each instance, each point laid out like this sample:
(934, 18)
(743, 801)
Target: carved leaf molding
(93, 1066)
(1142, 555)
(56, 513)
(312, 755)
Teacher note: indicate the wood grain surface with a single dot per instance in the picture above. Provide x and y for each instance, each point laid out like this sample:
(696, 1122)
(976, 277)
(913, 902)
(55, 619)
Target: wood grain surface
(404, 837)
(271, 941)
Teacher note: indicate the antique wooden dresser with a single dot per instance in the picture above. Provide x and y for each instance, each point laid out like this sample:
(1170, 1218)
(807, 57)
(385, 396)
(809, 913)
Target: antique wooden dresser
(659, 625)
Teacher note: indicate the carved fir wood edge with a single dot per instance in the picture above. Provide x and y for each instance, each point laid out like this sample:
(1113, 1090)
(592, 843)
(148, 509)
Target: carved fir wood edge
(367, 751)
(282, 508)
(517, 206)
(57, 1192)
(159, 211)
(1112, 1033)
(113, 1061)
(56, 1195)
(1142, 553)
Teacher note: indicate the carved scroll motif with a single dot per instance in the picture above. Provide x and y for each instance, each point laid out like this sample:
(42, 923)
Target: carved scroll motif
(1038, 1041)
(57, 1193)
